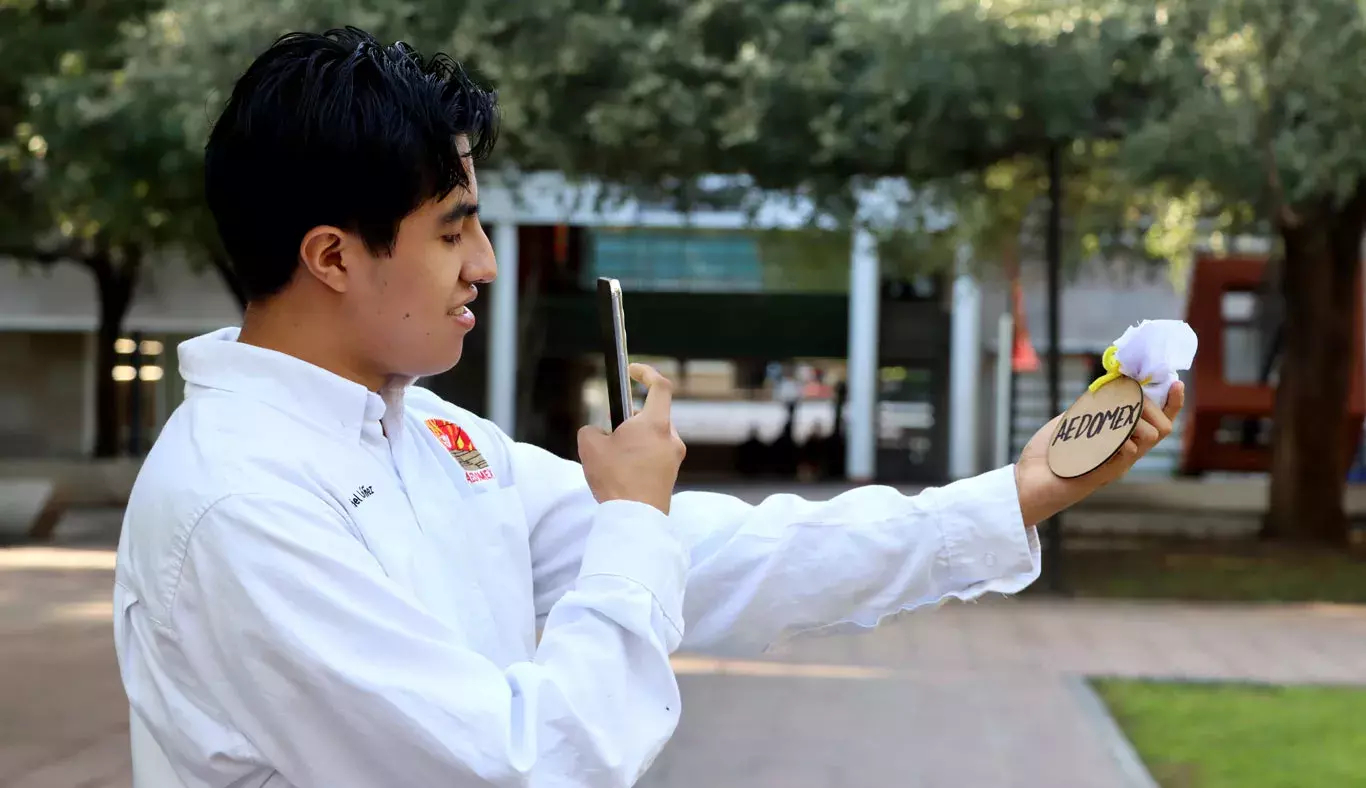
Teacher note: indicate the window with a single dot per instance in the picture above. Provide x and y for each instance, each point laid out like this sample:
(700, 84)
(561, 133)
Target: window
(695, 260)
(1243, 341)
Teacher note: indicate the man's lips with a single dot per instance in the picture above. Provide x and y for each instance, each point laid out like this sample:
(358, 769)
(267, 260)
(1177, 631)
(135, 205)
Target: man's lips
(463, 315)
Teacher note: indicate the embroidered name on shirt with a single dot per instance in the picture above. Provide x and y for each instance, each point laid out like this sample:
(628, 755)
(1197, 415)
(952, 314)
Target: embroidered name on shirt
(456, 441)
(361, 494)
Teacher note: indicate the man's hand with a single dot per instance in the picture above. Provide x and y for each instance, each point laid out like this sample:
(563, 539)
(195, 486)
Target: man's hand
(639, 461)
(1042, 494)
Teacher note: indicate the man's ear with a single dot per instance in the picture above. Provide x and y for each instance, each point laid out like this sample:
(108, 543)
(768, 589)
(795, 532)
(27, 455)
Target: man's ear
(322, 254)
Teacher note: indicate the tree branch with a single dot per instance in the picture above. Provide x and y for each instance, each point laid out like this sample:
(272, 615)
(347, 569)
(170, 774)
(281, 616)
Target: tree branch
(1281, 212)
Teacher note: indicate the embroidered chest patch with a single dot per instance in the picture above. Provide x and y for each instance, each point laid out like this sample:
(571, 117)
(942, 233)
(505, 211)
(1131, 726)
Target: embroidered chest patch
(456, 441)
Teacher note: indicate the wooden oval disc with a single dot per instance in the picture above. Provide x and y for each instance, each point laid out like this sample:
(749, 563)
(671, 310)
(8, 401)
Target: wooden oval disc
(1095, 427)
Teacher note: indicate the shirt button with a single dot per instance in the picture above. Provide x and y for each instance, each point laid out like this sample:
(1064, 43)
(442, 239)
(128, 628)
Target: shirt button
(989, 559)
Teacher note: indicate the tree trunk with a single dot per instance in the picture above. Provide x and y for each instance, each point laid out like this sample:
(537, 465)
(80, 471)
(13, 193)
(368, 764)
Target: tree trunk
(115, 275)
(1309, 457)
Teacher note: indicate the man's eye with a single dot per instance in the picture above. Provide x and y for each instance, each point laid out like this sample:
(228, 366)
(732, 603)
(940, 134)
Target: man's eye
(451, 239)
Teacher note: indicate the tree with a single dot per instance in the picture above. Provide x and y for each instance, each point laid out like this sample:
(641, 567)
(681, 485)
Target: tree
(101, 138)
(815, 98)
(962, 100)
(1223, 113)
(79, 185)
(1271, 115)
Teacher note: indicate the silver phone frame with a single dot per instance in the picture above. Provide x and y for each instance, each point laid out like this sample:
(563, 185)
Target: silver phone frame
(619, 340)
(619, 347)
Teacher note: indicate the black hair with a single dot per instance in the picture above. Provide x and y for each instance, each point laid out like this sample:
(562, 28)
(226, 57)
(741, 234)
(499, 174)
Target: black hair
(336, 129)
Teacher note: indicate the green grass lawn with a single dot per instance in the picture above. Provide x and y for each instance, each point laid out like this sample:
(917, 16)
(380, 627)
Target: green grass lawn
(1217, 572)
(1241, 735)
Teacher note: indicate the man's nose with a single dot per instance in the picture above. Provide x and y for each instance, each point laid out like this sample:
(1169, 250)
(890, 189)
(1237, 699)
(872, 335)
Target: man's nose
(482, 267)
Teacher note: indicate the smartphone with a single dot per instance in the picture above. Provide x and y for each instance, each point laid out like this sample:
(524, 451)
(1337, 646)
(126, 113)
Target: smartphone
(614, 355)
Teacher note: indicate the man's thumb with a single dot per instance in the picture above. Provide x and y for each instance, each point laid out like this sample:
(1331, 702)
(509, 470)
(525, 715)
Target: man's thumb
(590, 436)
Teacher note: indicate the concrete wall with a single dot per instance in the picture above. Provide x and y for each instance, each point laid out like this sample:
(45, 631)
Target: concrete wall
(47, 318)
(1097, 304)
(44, 382)
(170, 297)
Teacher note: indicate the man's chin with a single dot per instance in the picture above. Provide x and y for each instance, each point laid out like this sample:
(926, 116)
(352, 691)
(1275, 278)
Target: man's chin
(440, 366)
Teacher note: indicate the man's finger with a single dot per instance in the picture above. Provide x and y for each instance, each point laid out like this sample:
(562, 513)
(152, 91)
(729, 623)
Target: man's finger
(1146, 435)
(1176, 398)
(659, 394)
(1153, 415)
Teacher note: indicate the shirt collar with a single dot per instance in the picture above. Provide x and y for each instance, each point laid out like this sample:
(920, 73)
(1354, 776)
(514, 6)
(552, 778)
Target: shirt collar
(218, 361)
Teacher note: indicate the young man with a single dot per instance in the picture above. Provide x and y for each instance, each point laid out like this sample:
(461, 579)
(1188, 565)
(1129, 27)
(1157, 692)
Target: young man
(329, 577)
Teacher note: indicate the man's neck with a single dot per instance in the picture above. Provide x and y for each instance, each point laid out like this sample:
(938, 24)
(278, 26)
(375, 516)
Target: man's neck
(300, 333)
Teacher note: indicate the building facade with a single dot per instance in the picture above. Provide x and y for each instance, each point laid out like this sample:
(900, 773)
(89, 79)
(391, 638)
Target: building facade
(744, 305)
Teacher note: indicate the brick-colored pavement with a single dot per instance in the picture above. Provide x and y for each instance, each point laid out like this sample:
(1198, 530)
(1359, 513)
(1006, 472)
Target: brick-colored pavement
(965, 695)
(65, 720)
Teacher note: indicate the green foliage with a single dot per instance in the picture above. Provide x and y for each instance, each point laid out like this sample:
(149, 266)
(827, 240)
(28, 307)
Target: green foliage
(1268, 119)
(953, 87)
(999, 213)
(808, 260)
(1276, 81)
(42, 139)
(1167, 114)
(808, 97)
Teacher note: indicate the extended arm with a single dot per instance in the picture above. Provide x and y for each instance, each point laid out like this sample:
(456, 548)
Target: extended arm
(759, 572)
(787, 564)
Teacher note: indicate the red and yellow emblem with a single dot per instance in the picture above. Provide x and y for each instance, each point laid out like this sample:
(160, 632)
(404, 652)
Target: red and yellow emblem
(456, 441)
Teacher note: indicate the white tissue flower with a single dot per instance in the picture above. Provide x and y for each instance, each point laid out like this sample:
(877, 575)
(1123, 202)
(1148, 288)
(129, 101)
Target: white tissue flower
(1153, 352)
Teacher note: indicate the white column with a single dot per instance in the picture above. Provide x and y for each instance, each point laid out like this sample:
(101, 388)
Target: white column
(965, 372)
(1005, 344)
(502, 369)
(861, 444)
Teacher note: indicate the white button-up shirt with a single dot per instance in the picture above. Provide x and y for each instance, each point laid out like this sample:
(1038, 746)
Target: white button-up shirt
(320, 586)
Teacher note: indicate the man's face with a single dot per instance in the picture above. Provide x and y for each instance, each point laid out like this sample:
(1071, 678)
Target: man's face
(410, 311)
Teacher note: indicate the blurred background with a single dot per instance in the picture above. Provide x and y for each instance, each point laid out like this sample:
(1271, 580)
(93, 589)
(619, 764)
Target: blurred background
(871, 241)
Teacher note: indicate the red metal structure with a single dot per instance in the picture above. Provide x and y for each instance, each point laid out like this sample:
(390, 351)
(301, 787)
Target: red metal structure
(1215, 398)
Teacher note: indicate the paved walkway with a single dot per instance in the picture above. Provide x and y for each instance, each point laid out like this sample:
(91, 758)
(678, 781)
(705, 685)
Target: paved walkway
(963, 696)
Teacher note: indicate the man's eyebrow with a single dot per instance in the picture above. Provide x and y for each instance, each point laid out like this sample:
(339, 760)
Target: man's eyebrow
(460, 212)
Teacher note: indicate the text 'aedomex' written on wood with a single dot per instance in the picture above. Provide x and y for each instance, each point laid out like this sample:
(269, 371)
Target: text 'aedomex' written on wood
(1095, 427)
(1089, 425)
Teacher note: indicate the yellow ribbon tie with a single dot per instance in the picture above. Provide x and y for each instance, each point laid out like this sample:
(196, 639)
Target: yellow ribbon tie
(1112, 372)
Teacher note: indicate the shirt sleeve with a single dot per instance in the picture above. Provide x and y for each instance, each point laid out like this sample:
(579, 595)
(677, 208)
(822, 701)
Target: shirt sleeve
(339, 677)
(759, 573)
